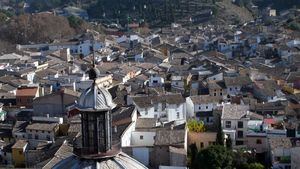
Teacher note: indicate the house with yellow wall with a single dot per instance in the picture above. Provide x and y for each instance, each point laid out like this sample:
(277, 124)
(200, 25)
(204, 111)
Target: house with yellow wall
(292, 84)
(202, 139)
(18, 153)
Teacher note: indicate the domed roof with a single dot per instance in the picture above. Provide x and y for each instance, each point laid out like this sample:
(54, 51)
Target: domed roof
(95, 98)
(120, 161)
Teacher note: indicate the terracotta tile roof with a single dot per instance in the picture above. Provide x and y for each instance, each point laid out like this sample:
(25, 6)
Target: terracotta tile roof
(240, 81)
(145, 65)
(169, 137)
(145, 123)
(65, 151)
(122, 114)
(27, 91)
(148, 101)
(13, 80)
(269, 121)
(267, 87)
(42, 126)
(20, 144)
(214, 54)
(234, 111)
(216, 85)
(280, 143)
(205, 99)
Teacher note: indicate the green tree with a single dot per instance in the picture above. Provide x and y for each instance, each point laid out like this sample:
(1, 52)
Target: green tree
(252, 166)
(3, 17)
(75, 22)
(8, 14)
(215, 10)
(220, 157)
(294, 26)
(229, 143)
(43, 5)
(256, 166)
(192, 154)
(196, 126)
(40, 28)
(220, 134)
(242, 158)
(240, 3)
(214, 157)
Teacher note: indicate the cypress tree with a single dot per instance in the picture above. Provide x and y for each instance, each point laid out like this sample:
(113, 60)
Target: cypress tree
(220, 134)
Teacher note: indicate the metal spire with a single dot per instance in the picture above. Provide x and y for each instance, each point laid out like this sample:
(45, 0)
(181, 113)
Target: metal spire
(93, 49)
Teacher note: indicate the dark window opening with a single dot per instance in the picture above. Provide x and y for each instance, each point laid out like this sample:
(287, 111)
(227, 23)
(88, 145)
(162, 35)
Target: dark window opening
(240, 124)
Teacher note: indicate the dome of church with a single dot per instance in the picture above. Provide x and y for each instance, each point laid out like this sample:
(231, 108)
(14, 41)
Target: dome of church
(96, 98)
(95, 148)
(120, 161)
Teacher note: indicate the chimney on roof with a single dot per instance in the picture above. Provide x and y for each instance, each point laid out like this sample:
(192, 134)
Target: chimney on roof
(115, 129)
(172, 126)
(297, 143)
(42, 91)
(287, 70)
(65, 54)
(74, 86)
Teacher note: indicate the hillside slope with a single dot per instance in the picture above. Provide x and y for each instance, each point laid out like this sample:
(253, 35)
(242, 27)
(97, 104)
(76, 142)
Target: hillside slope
(229, 10)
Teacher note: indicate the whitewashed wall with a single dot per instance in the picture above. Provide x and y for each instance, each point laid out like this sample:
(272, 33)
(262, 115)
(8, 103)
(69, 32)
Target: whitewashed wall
(146, 112)
(233, 90)
(190, 108)
(173, 109)
(126, 136)
(148, 138)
